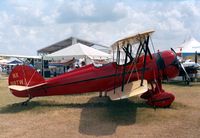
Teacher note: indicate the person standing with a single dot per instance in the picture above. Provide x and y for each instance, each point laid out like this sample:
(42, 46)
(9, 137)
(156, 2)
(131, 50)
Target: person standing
(0, 71)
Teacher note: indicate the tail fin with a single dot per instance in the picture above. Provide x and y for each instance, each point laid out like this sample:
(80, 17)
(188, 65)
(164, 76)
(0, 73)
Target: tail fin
(25, 76)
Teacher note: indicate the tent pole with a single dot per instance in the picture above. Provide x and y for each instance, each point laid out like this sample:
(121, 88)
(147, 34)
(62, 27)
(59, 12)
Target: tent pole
(42, 65)
(113, 55)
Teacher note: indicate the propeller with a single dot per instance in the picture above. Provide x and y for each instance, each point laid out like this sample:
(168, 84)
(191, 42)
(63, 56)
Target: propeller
(181, 65)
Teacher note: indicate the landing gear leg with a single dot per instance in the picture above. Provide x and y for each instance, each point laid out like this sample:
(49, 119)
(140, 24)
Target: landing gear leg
(159, 97)
(100, 94)
(105, 94)
(25, 103)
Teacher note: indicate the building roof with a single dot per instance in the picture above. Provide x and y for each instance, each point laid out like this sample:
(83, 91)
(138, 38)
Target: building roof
(65, 43)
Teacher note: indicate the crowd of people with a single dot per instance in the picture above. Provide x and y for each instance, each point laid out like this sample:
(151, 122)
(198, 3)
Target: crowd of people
(60, 70)
(6, 69)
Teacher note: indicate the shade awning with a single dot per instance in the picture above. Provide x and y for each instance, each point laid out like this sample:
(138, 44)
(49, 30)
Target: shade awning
(14, 62)
(190, 46)
(77, 51)
(4, 61)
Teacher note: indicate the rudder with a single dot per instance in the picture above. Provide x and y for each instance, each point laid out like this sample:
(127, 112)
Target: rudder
(23, 75)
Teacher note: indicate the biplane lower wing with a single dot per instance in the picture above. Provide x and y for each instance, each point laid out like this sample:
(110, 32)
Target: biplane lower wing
(131, 89)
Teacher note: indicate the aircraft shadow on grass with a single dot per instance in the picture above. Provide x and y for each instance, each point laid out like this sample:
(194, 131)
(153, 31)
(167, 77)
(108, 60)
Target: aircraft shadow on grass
(104, 121)
(99, 116)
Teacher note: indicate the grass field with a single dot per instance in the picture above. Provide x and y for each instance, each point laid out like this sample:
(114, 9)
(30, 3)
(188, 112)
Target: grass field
(90, 116)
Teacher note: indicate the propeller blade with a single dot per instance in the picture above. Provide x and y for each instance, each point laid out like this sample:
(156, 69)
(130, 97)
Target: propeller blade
(181, 65)
(174, 51)
(186, 74)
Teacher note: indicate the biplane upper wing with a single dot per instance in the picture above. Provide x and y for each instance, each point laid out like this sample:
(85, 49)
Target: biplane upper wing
(132, 39)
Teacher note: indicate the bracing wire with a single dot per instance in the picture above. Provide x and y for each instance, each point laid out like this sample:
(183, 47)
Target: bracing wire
(132, 69)
(152, 45)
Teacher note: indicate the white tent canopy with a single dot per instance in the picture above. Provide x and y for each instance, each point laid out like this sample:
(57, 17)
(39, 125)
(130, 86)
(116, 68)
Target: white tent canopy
(4, 61)
(190, 46)
(11, 61)
(77, 51)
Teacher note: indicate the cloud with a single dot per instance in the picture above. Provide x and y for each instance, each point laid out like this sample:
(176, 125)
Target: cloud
(88, 11)
(27, 26)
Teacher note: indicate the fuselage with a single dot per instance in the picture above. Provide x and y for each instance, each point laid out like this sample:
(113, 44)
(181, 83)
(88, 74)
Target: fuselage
(97, 79)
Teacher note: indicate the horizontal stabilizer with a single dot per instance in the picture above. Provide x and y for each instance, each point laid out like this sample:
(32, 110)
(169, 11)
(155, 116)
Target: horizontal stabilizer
(131, 89)
(23, 88)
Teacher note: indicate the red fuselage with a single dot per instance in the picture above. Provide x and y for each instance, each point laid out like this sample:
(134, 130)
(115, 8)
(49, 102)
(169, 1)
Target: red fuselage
(96, 79)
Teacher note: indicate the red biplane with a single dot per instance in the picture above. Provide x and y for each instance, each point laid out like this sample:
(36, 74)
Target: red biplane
(119, 81)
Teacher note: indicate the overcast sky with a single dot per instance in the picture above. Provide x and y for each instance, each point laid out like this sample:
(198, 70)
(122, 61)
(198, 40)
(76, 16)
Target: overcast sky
(29, 25)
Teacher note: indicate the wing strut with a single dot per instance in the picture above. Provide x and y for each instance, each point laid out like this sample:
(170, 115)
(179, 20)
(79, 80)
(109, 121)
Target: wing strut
(146, 50)
(116, 70)
(143, 46)
(124, 67)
